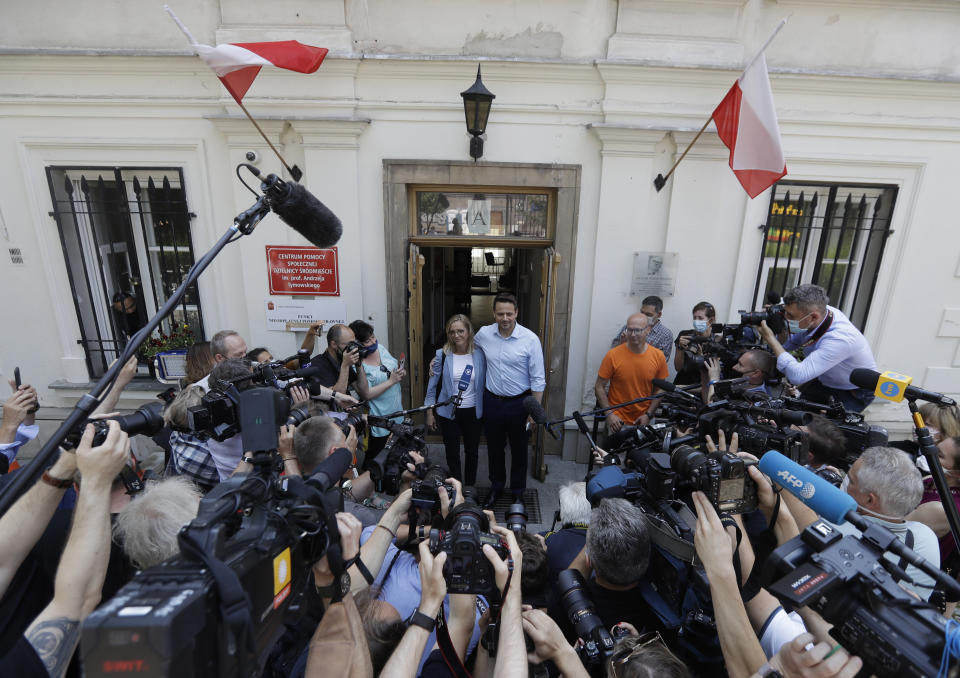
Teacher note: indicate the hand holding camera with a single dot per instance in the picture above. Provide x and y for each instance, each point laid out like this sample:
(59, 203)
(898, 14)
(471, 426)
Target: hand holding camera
(433, 585)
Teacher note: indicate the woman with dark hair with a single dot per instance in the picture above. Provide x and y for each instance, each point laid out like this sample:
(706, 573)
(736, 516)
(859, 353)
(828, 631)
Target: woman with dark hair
(259, 355)
(383, 373)
(458, 420)
(688, 371)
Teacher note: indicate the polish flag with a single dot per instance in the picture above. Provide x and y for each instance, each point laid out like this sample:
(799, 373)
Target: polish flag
(747, 124)
(237, 64)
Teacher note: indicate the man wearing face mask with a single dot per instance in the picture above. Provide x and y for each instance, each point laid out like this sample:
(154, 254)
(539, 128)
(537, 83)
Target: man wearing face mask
(829, 345)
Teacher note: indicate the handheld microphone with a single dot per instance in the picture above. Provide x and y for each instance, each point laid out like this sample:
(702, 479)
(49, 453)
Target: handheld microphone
(538, 414)
(464, 383)
(867, 378)
(299, 209)
(826, 500)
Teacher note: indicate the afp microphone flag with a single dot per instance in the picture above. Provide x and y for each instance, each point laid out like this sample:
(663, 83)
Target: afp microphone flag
(237, 64)
(747, 124)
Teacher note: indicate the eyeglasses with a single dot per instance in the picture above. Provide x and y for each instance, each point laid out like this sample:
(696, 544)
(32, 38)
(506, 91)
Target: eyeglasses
(626, 654)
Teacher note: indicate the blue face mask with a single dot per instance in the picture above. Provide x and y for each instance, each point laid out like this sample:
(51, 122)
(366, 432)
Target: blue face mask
(700, 326)
(369, 349)
(793, 326)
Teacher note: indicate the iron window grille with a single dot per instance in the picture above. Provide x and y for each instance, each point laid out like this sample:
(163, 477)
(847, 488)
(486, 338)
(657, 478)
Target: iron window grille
(125, 231)
(832, 235)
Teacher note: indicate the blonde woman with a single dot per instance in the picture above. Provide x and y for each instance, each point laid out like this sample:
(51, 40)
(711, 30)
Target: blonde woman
(461, 420)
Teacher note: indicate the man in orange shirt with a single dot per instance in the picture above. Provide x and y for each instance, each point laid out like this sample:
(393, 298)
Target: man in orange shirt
(627, 372)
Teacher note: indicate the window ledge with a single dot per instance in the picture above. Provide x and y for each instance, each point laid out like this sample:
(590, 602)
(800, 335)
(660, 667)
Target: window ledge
(135, 385)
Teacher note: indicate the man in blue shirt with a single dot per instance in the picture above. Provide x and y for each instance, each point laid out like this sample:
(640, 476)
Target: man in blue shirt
(830, 348)
(514, 371)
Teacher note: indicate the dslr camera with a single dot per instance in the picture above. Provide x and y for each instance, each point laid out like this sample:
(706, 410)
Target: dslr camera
(772, 314)
(721, 476)
(598, 643)
(426, 495)
(462, 537)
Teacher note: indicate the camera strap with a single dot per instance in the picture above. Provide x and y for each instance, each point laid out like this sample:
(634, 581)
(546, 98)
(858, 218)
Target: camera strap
(234, 602)
(447, 651)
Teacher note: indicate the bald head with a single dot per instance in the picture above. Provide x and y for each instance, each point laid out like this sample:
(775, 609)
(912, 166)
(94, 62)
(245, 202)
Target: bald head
(638, 327)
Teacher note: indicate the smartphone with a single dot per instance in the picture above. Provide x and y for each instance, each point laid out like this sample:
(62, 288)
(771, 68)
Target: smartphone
(403, 361)
(16, 376)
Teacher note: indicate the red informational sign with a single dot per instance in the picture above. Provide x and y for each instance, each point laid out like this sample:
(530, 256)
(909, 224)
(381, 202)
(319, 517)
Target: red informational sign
(303, 270)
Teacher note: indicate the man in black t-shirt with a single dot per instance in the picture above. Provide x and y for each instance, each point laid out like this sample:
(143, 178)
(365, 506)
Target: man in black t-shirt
(618, 553)
(334, 368)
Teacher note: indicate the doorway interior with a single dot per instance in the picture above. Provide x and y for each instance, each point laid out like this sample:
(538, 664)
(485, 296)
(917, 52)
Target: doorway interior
(467, 279)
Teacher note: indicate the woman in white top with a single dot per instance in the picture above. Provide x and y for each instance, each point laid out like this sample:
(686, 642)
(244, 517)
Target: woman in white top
(461, 418)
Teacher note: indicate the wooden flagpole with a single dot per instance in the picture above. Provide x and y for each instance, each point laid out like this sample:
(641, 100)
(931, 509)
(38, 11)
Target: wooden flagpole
(661, 179)
(295, 172)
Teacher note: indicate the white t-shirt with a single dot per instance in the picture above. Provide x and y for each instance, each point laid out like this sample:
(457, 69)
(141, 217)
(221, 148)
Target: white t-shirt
(460, 363)
(780, 628)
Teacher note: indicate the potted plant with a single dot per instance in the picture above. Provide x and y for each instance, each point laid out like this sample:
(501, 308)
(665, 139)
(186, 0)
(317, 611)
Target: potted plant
(181, 337)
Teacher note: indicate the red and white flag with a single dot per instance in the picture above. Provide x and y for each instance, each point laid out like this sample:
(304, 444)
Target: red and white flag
(747, 124)
(237, 64)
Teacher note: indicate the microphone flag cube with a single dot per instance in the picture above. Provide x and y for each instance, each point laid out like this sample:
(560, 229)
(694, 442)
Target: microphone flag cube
(892, 385)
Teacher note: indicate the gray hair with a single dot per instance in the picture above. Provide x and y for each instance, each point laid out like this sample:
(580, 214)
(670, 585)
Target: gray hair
(313, 439)
(574, 507)
(218, 345)
(618, 542)
(808, 297)
(148, 526)
(175, 414)
(890, 474)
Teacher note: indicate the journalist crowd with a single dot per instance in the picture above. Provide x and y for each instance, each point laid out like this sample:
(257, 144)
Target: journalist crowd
(300, 526)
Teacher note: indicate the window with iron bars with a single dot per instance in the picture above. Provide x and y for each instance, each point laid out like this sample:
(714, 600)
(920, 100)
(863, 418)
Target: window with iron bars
(126, 242)
(832, 235)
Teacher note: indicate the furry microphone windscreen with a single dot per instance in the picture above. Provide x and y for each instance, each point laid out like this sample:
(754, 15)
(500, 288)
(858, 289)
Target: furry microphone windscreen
(309, 217)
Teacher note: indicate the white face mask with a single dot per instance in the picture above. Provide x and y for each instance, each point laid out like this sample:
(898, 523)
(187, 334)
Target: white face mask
(700, 326)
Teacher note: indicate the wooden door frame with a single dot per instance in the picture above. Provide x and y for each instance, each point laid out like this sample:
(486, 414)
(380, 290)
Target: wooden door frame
(399, 175)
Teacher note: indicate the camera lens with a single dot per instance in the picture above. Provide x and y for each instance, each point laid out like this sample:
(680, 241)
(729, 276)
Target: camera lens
(685, 459)
(517, 518)
(578, 607)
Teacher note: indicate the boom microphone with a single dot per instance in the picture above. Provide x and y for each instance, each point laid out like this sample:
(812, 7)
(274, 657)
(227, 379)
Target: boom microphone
(826, 500)
(300, 210)
(867, 378)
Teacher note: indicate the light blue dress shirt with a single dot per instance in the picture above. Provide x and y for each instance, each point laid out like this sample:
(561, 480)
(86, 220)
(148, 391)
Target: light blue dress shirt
(514, 363)
(832, 358)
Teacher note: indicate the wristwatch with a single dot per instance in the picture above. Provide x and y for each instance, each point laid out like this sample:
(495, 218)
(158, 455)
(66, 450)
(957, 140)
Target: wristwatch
(337, 590)
(425, 622)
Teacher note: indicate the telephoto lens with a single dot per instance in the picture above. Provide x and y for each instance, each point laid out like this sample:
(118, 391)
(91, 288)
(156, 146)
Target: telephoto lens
(598, 644)
(517, 518)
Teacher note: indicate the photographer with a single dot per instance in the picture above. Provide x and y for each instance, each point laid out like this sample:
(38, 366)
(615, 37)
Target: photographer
(18, 426)
(704, 315)
(189, 455)
(830, 345)
(757, 365)
(564, 544)
(48, 643)
(617, 551)
(316, 439)
(335, 367)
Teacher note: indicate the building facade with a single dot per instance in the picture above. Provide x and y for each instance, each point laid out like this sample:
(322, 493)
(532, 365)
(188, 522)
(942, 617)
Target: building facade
(121, 148)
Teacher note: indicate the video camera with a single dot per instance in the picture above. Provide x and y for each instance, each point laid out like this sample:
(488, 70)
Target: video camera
(404, 438)
(462, 537)
(755, 437)
(846, 580)
(858, 433)
(219, 607)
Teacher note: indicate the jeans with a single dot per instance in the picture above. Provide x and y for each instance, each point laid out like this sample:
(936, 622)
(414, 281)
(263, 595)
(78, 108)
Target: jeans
(466, 425)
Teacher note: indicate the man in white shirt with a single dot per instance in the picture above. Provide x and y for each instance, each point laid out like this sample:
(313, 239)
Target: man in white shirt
(829, 345)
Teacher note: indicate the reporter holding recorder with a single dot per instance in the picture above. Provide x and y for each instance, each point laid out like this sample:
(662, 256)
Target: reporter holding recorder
(458, 420)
